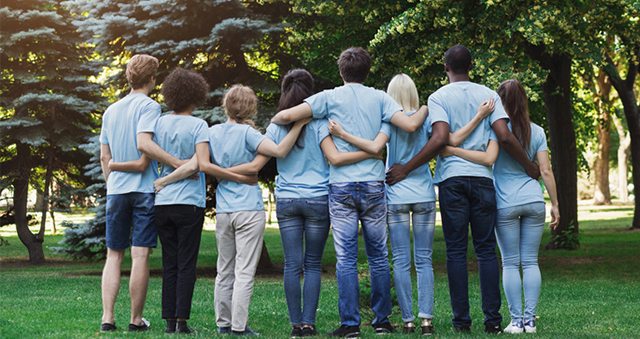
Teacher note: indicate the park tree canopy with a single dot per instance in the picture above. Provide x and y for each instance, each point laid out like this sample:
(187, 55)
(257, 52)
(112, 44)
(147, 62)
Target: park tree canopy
(47, 105)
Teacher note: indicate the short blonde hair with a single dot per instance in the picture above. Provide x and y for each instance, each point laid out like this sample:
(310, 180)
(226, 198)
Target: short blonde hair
(403, 90)
(240, 103)
(140, 69)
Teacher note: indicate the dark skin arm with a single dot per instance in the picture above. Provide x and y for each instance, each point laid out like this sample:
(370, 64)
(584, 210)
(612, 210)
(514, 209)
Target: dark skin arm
(512, 146)
(439, 139)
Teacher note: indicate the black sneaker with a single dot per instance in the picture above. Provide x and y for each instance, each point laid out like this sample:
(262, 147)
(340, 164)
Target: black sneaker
(427, 327)
(462, 329)
(296, 332)
(492, 329)
(309, 332)
(409, 327)
(345, 331)
(384, 328)
(106, 327)
(171, 326)
(139, 328)
(181, 327)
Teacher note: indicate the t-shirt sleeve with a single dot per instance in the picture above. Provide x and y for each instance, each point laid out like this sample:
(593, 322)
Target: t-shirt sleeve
(253, 139)
(103, 134)
(389, 107)
(492, 135)
(322, 129)
(148, 118)
(437, 111)
(498, 112)
(273, 133)
(319, 104)
(385, 128)
(202, 132)
(541, 140)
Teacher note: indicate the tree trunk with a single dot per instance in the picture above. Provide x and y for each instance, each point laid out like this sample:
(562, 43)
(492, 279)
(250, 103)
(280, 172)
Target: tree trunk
(602, 194)
(626, 92)
(623, 157)
(32, 241)
(45, 196)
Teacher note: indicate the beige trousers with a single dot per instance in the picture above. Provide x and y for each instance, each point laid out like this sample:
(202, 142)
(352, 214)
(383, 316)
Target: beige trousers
(239, 236)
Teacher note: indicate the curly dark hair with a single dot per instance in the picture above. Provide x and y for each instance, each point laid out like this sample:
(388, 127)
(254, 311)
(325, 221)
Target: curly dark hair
(183, 88)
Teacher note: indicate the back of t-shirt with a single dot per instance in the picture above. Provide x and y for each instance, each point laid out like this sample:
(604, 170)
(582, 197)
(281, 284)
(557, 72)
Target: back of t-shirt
(513, 186)
(460, 101)
(304, 172)
(178, 136)
(121, 123)
(231, 145)
(360, 110)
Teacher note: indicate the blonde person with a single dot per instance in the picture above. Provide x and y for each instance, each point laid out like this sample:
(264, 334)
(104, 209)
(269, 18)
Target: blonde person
(521, 207)
(240, 217)
(410, 202)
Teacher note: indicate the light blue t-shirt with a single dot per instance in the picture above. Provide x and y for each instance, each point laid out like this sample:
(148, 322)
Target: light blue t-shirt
(513, 186)
(360, 110)
(460, 101)
(178, 136)
(231, 145)
(121, 123)
(402, 146)
(304, 172)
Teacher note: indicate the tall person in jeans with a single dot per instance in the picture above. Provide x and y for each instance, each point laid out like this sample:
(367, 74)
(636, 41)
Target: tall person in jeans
(411, 202)
(356, 191)
(302, 205)
(521, 208)
(467, 195)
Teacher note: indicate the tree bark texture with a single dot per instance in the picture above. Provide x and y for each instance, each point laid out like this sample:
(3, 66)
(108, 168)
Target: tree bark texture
(562, 138)
(627, 94)
(33, 242)
(602, 194)
(624, 152)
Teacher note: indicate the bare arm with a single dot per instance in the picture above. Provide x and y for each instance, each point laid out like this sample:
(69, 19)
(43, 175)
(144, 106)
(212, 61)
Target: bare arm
(130, 166)
(251, 168)
(287, 116)
(343, 158)
(484, 111)
(370, 146)
(486, 158)
(105, 158)
(438, 140)
(411, 123)
(512, 146)
(550, 183)
(147, 146)
(184, 171)
(269, 148)
(205, 165)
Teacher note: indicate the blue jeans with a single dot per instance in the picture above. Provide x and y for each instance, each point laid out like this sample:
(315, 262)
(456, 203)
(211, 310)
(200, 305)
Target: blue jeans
(424, 221)
(465, 200)
(348, 203)
(309, 219)
(519, 230)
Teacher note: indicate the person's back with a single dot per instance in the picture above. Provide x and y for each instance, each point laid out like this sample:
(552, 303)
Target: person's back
(361, 111)
(121, 124)
(513, 185)
(460, 100)
(233, 144)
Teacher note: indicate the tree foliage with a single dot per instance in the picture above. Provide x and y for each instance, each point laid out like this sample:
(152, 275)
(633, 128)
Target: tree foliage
(47, 104)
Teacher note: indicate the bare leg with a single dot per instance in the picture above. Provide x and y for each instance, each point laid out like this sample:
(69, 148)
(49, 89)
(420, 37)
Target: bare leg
(139, 281)
(111, 283)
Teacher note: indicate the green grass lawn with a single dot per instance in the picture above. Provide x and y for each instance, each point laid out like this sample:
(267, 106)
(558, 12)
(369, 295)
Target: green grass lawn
(592, 292)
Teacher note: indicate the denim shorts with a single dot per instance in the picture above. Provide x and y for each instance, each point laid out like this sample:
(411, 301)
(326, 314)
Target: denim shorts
(130, 220)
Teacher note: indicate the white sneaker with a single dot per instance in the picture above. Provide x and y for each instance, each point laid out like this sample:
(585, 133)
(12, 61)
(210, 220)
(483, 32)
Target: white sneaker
(515, 327)
(530, 326)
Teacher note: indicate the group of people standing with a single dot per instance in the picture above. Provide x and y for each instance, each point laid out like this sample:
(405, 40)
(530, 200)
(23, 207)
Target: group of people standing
(330, 175)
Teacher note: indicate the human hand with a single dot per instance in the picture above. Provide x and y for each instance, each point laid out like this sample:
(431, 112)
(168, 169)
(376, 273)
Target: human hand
(447, 151)
(395, 174)
(248, 179)
(195, 176)
(159, 184)
(486, 108)
(555, 217)
(533, 171)
(335, 129)
(378, 155)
